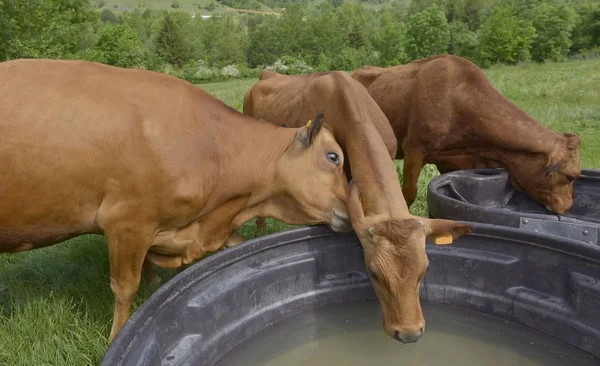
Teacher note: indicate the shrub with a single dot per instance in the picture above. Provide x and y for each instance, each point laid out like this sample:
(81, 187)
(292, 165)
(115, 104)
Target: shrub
(278, 66)
(290, 66)
(230, 71)
(175, 4)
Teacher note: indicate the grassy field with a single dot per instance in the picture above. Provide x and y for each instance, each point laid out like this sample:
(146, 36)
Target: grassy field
(56, 304)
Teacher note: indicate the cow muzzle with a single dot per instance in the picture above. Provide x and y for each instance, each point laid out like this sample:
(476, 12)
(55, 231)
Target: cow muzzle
(408, 337)
(340, 222)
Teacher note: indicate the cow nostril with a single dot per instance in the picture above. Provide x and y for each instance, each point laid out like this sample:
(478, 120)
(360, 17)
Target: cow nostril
(421, 332)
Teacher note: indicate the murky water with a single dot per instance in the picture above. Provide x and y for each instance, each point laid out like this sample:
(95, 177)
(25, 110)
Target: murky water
(353, 335)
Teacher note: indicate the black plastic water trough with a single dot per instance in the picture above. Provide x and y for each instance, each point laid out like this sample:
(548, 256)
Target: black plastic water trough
(487, 196)
(544, 282)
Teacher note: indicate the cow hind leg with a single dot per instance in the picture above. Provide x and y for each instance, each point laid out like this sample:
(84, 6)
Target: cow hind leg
(413, 163)
(127, 248)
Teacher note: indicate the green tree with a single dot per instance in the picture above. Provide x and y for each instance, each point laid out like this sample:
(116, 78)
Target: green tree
(266, 44)
(389, 41)
(354, 21)
(108, 16)
(428, 33)
(553, 26)
(506, 37)
(120, 46)
(46, 28)
(5, 28)
(170, 42)
(463, 41)
(586, 34)
(323, 37)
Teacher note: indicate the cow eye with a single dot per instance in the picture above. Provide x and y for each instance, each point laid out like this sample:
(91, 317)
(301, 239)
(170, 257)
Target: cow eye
(334, 158)
(372, 275)
(570, 178)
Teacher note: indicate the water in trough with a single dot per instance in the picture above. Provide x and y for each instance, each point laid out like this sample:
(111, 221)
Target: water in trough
(352, 334)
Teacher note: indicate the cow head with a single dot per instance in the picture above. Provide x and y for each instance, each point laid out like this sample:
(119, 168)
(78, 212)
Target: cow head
(548, 179)
(311, 172)
(396, 261)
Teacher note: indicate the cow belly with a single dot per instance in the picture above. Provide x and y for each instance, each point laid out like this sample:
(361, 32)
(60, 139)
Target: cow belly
(13, 241)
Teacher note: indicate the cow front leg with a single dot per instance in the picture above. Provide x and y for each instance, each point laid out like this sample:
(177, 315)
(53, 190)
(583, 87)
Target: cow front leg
(150, 274)
(413, 163)
(127, 248)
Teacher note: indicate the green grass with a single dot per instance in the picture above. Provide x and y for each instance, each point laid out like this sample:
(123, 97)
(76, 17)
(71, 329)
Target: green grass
(56, 304)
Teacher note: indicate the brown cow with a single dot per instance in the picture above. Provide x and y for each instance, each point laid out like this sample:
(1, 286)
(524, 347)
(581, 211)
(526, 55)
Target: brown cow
(160, 167)
(444, 111)
(393, 239)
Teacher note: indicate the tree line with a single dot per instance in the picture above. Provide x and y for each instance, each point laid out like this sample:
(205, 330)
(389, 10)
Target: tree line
(307, 37)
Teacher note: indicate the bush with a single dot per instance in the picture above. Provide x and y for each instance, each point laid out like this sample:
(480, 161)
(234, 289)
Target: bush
(197, 72)
(290, 66)
(278, 66)
(351, 59)
(323, 62)
(175, 4)
(230, 71)
(246, 72)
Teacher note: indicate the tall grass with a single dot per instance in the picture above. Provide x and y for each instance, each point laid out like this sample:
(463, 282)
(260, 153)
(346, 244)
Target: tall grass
(56, 304)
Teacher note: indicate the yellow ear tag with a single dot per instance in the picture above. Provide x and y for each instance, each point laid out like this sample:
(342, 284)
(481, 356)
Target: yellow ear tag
(443, 239)
(308, 124)
(549, 161)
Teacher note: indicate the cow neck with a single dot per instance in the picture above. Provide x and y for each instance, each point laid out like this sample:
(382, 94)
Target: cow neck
(511, 127)
(370, 162)
(251, 150)
(374, 170)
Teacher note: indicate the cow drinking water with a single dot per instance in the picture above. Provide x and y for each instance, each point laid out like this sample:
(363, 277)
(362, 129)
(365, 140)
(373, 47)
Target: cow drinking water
(444, 111)
(392, 238)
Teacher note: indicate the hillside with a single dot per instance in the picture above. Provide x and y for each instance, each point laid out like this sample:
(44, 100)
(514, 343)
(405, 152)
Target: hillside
(205, 7)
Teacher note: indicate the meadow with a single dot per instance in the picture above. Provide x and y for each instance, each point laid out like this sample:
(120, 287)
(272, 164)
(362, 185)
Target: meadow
(56, 305)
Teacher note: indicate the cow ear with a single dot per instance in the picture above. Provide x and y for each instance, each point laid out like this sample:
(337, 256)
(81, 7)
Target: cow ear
(552, 168)
(573, 140)
(306, 134)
